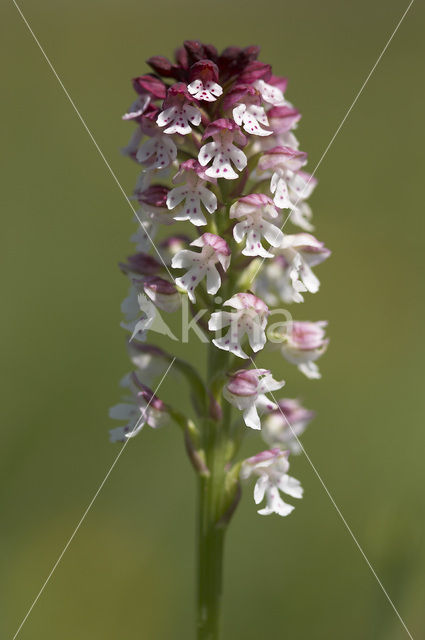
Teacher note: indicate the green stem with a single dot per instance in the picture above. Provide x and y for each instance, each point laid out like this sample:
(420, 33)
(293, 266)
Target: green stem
(212, 506)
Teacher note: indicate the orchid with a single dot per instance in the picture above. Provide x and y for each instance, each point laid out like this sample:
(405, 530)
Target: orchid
(271, 467)
(255, 212)
(193, 192)
(200, 265)
(250, 319)
(247, 390)
(214, 139)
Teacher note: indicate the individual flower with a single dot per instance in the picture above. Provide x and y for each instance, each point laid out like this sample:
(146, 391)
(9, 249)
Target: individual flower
(271, 468)
(192, 193)
(283, 426)
(203, 85)
(200, 265)
(159, 151)
(255, 212)
(178, 114)
(249, 320)
(246, 390)
(303, 343)
(222, 151)
(149, 360)
(172, 245)
(272, 91)
(153, 200)
(163, 293)
(247, 110)
(143, 407)
(290, 274)
(284, 162)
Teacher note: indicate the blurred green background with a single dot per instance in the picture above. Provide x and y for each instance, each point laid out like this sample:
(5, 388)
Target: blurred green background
(129, 572)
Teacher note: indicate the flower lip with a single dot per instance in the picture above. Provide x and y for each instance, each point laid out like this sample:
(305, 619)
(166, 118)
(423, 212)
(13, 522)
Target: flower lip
(150, 84)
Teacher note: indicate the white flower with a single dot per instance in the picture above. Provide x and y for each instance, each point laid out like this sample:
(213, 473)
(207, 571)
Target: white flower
(143, 407)
(250, 319)
(255, 211)
(270, 93)
(222, 151)
(271, 467)
(200, 265)
(148, 359)
(246, 390)
(208, 91)
(251, 117)
(204, 85)
(284, 425)
(193, 193)
(303, 344)
(159, 151)
(150, 320)
(177, 119)
(286, 184)
(290, 274)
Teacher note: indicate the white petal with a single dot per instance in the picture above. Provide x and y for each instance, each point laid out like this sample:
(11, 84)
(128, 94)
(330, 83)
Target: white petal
(291, 486)
(206, 153)
(251, 417)
(260, 489)
(213, 280)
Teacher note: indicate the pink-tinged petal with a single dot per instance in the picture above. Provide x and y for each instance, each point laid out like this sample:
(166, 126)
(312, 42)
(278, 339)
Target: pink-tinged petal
(282, 158)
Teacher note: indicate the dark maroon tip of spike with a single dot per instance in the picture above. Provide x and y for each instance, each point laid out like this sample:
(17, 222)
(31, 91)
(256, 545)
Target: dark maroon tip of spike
(163, 67)
(195, 50)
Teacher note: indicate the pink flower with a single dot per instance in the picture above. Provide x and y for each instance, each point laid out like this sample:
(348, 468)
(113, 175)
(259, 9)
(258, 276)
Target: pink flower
(200, 265)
